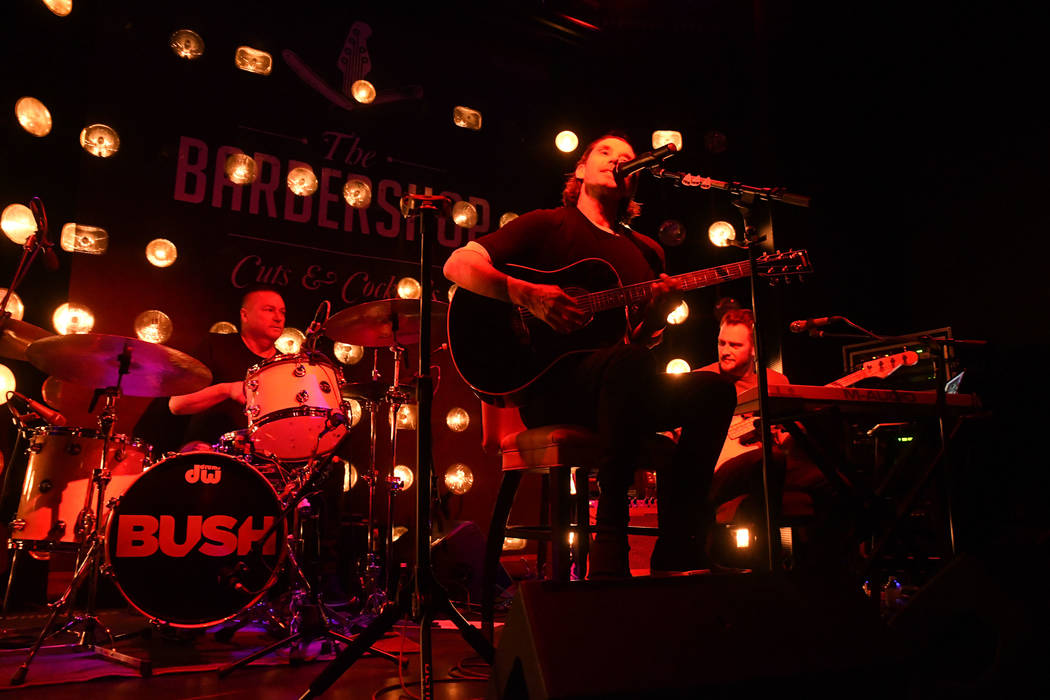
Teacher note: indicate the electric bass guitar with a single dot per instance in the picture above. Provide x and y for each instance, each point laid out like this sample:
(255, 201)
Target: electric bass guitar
(502, 350)
(743, 436)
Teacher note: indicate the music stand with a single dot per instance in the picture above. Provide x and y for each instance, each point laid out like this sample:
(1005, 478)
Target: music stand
(428, 599)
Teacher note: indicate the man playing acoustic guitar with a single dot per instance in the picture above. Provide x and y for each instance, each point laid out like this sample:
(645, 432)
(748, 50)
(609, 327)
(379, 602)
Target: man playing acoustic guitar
(618, 389)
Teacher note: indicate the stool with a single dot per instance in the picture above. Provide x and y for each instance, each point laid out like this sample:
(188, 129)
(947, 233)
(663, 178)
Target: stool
(554, 450)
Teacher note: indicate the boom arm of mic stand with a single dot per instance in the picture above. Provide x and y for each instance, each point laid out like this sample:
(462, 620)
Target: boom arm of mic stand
(776, 194)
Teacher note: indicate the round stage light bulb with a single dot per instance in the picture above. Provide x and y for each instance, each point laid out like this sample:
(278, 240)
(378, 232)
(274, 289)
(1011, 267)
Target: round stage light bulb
(566, 141)
(153, 326)
(407, 417)
(457, 419)
(72, 318)
(408, 288)
(357, 192)
(679, 314)
(458, 479)
(161, 252)
(465, 214)
(223, 328)
(354, 410)
(15, 307)
(100, 140)
(7, 383)
(18, 223)
(240, 169)
(80, 238)
(33, 116)
(349, 475)
(363, 91)
(671, 233)
(662, 138)
(348, 354)
(187, 44)
(721, 233)
(62, 8)
(290, 341)
(507, 218)
(677, 366)
(405, 475)
(302, 181)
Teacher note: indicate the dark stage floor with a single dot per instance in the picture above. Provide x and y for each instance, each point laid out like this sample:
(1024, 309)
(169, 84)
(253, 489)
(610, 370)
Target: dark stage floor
(185, 666)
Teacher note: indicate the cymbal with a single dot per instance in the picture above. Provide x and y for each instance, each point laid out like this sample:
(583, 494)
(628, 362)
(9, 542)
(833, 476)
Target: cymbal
(375, 391)
(92, 359)
(17, 336)
(381, 324)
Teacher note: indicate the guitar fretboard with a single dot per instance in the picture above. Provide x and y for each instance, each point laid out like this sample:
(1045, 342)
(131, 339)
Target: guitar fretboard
(642, 291)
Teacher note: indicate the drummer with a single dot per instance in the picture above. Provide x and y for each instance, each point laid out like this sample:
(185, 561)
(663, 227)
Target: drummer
(219, 409)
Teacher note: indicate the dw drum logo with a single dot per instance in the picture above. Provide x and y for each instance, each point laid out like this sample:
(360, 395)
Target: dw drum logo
(204, 473)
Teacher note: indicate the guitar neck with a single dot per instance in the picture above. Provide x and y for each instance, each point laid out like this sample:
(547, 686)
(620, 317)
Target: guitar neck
(642, 291)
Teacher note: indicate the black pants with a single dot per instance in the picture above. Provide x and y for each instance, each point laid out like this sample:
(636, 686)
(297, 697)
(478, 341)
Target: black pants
(626, 398)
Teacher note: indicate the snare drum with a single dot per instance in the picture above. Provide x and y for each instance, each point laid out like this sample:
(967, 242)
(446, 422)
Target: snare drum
(58, 477)
(183, 540)
(290, 400)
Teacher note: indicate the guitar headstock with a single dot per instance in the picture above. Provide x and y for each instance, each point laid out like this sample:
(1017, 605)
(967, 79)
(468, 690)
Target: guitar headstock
(883, 367)
(794, 264)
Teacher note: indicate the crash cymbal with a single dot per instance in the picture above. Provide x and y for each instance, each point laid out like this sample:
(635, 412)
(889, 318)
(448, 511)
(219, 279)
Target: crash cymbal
(16, 336)
(92, 359)
(383, 323)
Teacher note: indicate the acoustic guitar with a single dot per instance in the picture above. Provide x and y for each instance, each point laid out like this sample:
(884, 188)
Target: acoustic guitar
(502, 350)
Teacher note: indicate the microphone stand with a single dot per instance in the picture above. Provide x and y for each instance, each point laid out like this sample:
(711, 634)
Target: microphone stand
(742, 197)
(428, 598)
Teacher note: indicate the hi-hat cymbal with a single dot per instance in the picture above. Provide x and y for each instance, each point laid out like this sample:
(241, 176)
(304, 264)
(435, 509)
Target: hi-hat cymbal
(383, 323)
(93, 359)
(16, 336)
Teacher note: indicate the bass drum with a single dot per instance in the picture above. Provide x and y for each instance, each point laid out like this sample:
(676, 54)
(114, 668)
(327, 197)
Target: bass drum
(184, 542)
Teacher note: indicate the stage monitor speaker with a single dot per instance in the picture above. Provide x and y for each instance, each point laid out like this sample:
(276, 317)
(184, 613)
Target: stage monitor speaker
(695, 636)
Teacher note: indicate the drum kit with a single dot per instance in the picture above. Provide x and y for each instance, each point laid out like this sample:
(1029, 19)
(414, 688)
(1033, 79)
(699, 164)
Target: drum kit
(200, 538)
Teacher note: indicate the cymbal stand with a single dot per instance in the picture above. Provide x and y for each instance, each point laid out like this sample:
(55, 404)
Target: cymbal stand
(371, 570)
(311, 617)
(89, 559)
(428, 599)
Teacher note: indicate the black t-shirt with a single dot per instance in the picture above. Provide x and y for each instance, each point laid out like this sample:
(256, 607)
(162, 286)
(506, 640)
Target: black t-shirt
(547, 239)
(229, 360)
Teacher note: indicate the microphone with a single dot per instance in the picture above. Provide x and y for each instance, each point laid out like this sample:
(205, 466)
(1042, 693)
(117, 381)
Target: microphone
(48, 248)
(646, 160)
(806, 324)
(49, 415)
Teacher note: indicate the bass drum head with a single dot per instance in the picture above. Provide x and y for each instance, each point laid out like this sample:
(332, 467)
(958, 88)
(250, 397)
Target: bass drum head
(184, 541)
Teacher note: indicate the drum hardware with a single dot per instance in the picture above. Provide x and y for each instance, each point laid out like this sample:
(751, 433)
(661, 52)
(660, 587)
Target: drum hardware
(375, 569)
(121, 365)
(310, 617)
